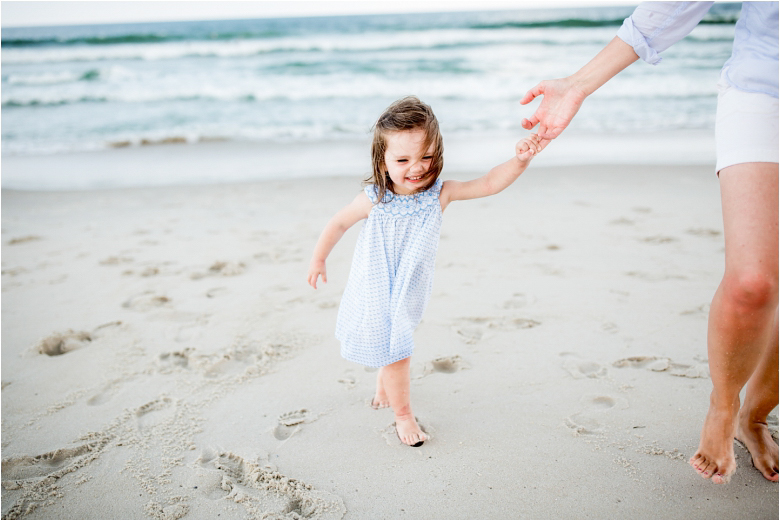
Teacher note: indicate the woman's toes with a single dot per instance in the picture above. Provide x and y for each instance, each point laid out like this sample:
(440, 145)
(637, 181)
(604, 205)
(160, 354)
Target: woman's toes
(709, 470)
(721, 479)
(697, 462)
(770, 474)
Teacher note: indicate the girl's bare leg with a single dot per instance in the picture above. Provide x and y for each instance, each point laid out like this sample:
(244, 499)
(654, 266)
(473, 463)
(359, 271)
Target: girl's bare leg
(742, 322)
(396, 381)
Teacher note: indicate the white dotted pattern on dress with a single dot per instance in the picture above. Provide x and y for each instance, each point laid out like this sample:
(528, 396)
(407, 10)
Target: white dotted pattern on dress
(391, 277)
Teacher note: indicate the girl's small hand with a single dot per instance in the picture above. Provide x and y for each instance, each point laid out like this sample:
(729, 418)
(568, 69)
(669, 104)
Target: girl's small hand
(317, 268)
(530, 146)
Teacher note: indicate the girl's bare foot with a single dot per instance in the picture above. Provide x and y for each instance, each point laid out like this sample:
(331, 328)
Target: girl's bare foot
(756, 437)
(714, 458)
(408, 430)
(380, 400)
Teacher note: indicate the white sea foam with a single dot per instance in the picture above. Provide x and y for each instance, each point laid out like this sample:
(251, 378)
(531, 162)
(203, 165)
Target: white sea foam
(269, 81)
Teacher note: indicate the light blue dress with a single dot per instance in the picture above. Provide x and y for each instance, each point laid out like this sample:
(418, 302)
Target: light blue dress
(391, 277)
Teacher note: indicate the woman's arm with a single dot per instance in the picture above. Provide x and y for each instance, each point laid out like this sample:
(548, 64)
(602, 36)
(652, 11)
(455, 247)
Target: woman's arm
(498, 178)
(651, 28)
(563, 97)
(344, 219)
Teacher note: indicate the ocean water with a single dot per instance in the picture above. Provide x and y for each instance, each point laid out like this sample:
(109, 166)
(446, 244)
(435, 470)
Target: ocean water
(85, 88)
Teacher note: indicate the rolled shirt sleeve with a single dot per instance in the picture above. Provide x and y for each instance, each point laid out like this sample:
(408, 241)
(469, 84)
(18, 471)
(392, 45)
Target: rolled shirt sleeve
(653, 27)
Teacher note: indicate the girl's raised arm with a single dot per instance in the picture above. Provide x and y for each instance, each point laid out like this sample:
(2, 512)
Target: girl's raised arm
(498, 178)
(358, 209)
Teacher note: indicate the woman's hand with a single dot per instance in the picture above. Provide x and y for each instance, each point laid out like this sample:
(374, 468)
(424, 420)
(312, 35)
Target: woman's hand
(561, 101)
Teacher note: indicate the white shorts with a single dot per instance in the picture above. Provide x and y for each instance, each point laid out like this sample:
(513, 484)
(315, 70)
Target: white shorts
(746, 127)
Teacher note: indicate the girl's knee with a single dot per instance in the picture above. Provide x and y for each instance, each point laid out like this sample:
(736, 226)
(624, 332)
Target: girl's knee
(751, 290)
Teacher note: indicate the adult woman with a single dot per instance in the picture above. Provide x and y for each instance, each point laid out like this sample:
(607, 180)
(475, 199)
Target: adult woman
(743, 322)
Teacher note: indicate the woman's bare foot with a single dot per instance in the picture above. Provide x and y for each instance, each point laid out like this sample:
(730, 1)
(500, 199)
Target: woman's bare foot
(408, 430)
(715, 456)
(763, 449)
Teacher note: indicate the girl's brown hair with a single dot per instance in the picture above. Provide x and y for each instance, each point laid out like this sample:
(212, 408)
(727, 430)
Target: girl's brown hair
(406, 114)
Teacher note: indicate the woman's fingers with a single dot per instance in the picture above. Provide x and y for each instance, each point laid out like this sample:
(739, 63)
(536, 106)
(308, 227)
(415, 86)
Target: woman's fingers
(531, 94)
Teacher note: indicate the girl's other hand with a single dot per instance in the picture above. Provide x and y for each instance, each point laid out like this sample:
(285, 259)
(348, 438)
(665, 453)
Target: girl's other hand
(317, 268)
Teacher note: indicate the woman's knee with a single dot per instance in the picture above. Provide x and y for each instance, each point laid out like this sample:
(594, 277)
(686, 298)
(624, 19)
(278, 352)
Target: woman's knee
(751, 290)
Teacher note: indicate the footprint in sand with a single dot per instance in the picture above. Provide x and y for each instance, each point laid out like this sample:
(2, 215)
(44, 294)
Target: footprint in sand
(221, 268)
(651, 363)
(601, 402)
(349, 381)
(473, 329)
(115, 260)
(175, 509)
(445, 364)
(290, 422)
(262, 490)
(581, 368)
(700, 311)
(60, 343)
(146, 301)
(663, 364)
(610, 327)
(22, 240)
(704, 232)
(658, 239)
(497, 323)
(470, 334)
(169, 362)
(154, 412)
(60, 461)
(582, 424)
(37, 477)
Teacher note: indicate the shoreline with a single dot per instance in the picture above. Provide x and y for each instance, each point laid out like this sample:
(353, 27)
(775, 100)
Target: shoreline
(560, 367)
(235, 161)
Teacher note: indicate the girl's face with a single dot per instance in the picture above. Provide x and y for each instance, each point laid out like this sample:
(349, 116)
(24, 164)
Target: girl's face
(406, 161)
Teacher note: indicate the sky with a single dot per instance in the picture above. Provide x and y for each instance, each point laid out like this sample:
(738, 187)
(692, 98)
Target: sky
(25, 13)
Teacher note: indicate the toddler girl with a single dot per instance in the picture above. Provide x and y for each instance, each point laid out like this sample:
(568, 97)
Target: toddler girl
(392, 271)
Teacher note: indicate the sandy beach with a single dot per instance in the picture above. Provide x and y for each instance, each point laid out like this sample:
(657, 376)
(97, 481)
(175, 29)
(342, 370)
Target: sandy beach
(163, 356)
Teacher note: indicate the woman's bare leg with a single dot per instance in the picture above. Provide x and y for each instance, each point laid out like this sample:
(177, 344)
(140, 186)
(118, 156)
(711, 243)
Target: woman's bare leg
(760, 399)
(396, 381)
(744, 311)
